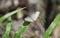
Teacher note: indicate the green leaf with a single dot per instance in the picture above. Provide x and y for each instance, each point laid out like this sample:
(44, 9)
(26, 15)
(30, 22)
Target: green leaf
(21, 29)
(10, 14)
(8, 28)
(52, 26)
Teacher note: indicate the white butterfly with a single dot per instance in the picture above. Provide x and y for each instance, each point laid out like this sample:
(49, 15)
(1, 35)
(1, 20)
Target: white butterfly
(33, 17)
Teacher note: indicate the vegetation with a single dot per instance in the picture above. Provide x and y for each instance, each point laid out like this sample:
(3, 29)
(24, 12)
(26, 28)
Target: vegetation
(22, 28)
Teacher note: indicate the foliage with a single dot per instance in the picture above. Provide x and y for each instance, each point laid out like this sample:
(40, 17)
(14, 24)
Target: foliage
(52, 26)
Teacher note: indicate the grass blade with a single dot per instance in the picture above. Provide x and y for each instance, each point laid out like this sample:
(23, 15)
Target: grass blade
(20, 30)
(52, 26)
(8, 28)
(10, 14)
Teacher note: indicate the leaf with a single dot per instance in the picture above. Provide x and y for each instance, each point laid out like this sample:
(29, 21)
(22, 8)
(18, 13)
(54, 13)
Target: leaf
(21, 29)
(52, 26)
(8, 28)
(10, 14)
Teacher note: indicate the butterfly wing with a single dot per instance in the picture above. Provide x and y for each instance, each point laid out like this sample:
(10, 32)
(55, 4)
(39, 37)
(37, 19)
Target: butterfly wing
(28, 19)
(35, 16)
(32, 17)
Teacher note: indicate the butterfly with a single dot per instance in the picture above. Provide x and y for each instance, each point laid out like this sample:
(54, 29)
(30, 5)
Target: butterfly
(33, 17)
